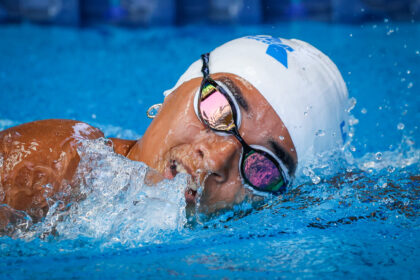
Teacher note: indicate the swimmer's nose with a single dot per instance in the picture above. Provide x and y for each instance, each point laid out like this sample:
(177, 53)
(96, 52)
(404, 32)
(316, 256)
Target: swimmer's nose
(219, 156)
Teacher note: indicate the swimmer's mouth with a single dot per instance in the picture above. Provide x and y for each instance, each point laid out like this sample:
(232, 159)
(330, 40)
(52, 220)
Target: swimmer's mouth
(191, 190)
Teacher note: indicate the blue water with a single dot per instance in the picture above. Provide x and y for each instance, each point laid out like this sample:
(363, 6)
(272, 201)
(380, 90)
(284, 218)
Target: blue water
(357, 217)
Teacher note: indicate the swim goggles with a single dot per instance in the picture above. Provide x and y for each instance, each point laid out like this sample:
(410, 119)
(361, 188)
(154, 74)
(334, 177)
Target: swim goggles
(217, 109)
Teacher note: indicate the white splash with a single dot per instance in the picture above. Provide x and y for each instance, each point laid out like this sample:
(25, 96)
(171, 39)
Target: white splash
(117, 206)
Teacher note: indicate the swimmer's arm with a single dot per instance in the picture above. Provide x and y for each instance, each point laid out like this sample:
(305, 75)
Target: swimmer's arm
(122, 146)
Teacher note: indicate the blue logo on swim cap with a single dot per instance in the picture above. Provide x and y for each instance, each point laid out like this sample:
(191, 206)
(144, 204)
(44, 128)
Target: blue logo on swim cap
(276, 48)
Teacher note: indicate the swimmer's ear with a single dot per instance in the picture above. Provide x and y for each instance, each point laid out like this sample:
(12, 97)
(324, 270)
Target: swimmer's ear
(153, 111)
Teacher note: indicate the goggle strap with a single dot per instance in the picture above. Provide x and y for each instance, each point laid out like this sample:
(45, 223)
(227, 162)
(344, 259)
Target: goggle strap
(205, 67)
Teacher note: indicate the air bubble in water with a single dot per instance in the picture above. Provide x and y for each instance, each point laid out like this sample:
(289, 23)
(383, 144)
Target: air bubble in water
(400, 126)
(363, 111)
(378, 156)
(320, 133)
(410, 85)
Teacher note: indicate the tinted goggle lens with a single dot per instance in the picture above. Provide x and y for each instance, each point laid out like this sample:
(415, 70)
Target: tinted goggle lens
(262, 173)
(257, 169)
(215, 109)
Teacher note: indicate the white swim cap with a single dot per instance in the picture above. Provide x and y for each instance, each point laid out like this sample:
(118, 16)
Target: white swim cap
(302, 85)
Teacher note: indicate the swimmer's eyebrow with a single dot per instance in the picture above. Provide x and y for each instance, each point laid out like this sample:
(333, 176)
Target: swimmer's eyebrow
(236, 92)
(284, 156)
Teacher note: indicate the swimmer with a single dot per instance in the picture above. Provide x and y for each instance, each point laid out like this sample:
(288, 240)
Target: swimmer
(242, 121)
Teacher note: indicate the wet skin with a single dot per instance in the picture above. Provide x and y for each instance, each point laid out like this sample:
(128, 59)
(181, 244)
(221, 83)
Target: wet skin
(212, 159)
(45, 152)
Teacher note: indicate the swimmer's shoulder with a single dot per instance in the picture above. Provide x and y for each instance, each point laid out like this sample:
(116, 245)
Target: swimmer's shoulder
(38, 153)
(45, 137)
(51, 133)
(57, 128)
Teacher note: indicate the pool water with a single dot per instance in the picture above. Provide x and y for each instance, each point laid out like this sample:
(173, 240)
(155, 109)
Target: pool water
(352, 217)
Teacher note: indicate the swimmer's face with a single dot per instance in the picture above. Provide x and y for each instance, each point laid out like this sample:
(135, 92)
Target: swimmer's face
(177, 141)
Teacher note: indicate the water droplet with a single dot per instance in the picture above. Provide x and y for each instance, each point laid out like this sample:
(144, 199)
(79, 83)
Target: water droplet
(353, 121)
(349, 72)
(378, 156)
(405, 46)
(391, 169)
(94, 116)
(363, 111)
(352, 103)
(362, 10)
(400, 126)
(417, 52)
(316, 179)
(281, 138)
(409, 142)
(374, 26)
(410, 85)
(386, 20)
(351, 35)
(408, 72)
(390, 32)
(320, 133)
(352, 148)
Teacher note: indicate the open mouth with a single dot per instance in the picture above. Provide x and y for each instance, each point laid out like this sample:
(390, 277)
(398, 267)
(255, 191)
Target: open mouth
(176, 167)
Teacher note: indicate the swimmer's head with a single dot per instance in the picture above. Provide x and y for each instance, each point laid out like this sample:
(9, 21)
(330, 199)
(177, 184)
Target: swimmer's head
(291, 100)
(301, 83)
